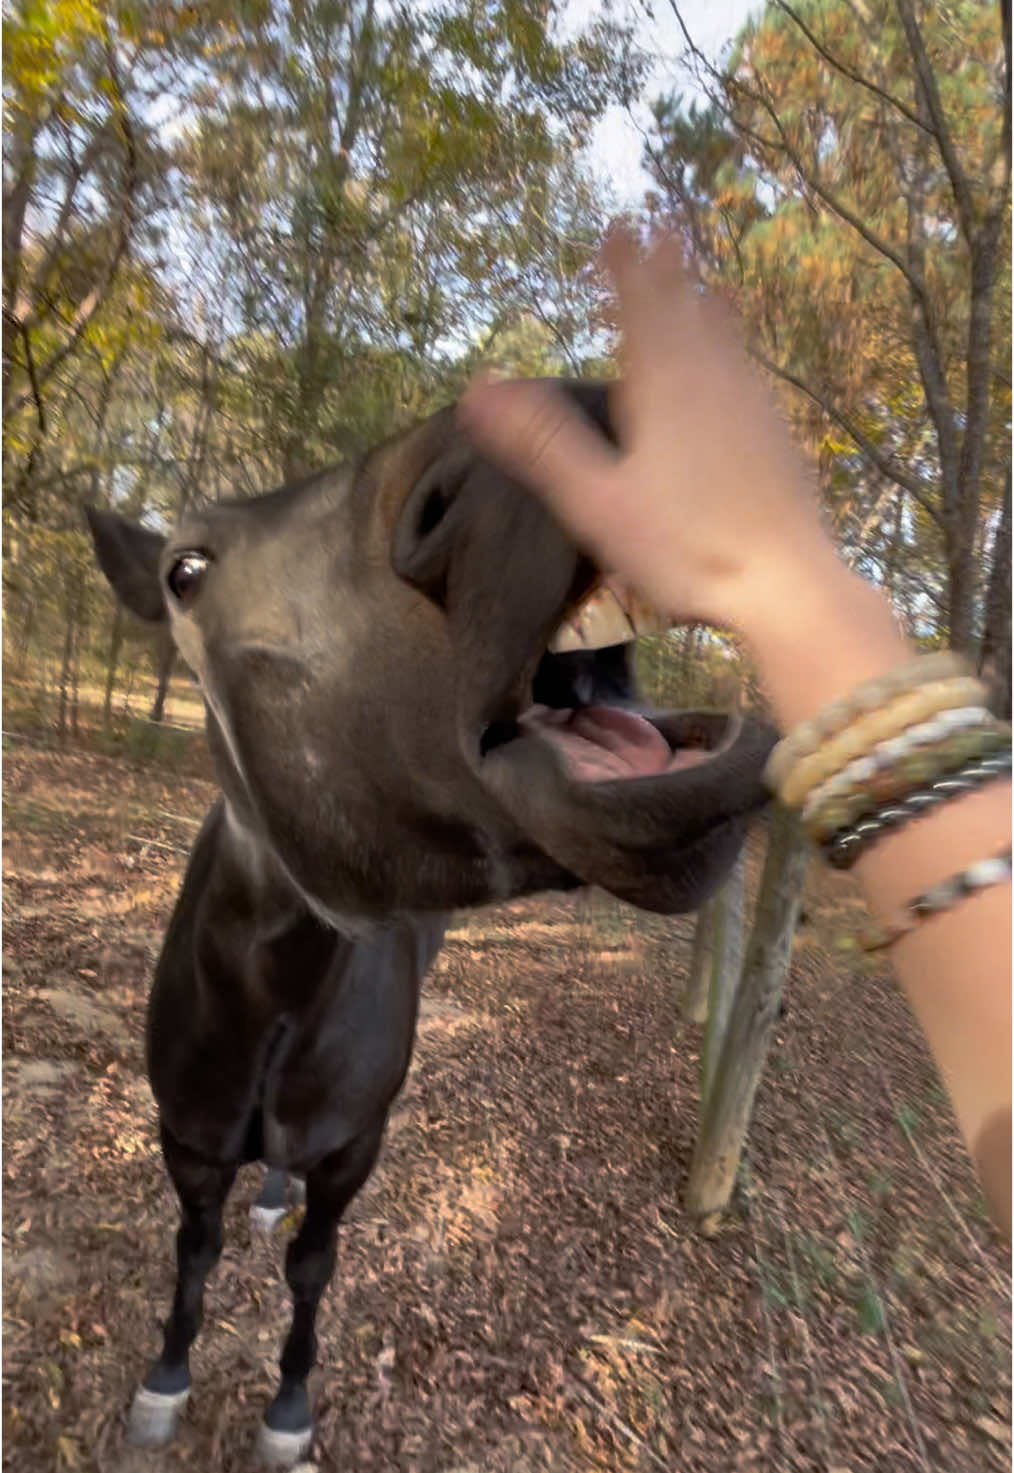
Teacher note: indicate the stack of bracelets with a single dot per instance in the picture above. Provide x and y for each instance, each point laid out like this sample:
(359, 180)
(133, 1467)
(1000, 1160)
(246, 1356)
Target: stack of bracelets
(896, 748)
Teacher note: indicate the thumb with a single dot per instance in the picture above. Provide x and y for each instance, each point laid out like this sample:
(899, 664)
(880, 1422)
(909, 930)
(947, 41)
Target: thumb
(535, 432)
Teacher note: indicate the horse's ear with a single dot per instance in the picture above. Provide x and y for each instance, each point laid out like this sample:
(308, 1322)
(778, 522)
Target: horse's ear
(129, 556)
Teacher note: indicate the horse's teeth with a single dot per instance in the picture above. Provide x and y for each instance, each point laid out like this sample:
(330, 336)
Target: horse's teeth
(611, 614)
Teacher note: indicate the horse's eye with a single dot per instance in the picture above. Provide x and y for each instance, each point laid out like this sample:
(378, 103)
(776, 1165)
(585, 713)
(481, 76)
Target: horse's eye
(186, 576)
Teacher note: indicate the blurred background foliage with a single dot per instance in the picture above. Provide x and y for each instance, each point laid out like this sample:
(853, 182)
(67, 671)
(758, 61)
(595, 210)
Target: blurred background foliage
(243, 241)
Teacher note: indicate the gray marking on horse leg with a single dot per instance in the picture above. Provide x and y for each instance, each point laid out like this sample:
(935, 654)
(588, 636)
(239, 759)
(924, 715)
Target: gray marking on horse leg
(282, 1449)
(154, 1416)
(272, 1204)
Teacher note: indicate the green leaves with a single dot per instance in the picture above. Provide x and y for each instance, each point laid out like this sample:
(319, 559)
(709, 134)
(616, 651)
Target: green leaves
(42, 39)
(287, 228)
(398, 187)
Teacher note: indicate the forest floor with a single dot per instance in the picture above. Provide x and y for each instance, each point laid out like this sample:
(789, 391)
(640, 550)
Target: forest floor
(519, 1287)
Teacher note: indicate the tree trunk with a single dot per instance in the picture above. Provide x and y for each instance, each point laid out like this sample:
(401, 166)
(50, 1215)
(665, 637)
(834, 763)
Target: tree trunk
(65, 663)
(166, 656)
(961, 580)
(727, 1107)
(695, 996)
(726, 965)
(995, 653)
(80, 630)
(115, 645)
(25, 637)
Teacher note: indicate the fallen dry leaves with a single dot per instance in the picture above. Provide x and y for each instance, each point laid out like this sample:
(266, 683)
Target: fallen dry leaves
(519, 1288)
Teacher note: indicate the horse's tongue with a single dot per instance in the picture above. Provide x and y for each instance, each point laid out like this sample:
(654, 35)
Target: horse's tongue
(603, 742)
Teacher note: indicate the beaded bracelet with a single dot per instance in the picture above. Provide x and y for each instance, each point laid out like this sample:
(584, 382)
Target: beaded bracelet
(863, 735)
(897, 766)
(978, 876)
(844, 848)
(960, 719)
(869, 696)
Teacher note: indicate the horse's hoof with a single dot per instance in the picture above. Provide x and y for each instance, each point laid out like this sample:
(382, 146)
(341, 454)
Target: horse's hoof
(155, 1416)
(277, 1449)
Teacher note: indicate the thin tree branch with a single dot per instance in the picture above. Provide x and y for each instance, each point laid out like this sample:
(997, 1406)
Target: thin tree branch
(833, 201)
(782, 144)
(884, 464)
(926, 340)
(935, 596)
(36, 291)
(16, 199)
(58, 478)
(33, 378)
(928, 84)
(849, 72)
(94, 300)
(873, 513)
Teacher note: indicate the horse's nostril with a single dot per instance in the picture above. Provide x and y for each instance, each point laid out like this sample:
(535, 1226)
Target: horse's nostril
(424, 534)
(433, 511)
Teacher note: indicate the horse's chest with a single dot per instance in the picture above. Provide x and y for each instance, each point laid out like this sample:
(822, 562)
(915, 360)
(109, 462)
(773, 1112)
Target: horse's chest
(288, 1084)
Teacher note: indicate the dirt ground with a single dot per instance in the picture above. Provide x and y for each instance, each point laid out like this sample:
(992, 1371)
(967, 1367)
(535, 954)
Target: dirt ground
(519, 1285)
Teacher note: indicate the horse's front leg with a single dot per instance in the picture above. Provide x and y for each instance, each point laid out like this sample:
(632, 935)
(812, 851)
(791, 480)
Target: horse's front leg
(202, 1190)
(309, 1263)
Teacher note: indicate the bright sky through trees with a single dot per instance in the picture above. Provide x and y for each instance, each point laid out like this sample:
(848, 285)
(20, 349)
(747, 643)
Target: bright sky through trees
(615, 150)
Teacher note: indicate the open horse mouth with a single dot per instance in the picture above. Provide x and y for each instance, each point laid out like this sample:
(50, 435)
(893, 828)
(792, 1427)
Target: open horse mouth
(583, 702)
(651, 806)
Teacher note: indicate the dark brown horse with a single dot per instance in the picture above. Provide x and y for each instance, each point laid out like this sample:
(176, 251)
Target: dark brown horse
(368, 643)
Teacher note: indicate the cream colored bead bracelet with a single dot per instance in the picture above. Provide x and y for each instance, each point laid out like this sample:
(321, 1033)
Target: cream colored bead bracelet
(897, 746)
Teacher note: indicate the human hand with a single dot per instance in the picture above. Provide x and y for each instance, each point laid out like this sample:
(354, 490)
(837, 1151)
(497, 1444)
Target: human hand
(706, 505)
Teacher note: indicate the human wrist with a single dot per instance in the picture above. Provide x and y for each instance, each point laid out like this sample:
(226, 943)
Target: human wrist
(816, 630)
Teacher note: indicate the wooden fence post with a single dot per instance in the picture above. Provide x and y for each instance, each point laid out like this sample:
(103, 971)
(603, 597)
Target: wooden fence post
(694, 1002)
(726, 966)
(727, 1103)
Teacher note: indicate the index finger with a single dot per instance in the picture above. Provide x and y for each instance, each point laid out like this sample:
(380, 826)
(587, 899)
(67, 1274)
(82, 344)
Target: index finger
(654, 294)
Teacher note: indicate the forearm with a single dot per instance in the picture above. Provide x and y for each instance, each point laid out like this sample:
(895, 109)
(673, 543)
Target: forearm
(955, 968)
(826, 634)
